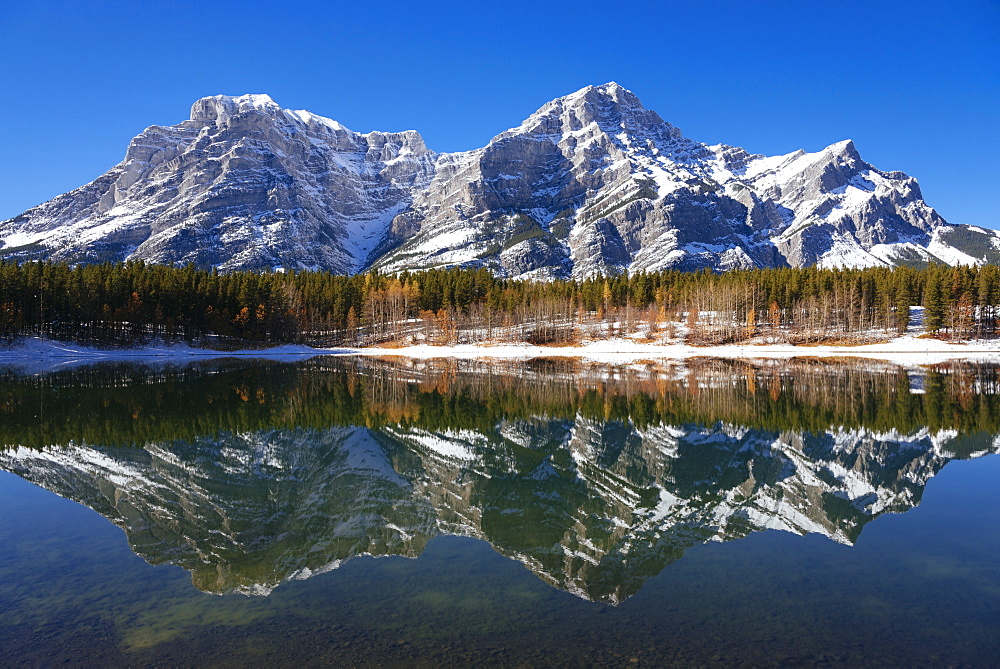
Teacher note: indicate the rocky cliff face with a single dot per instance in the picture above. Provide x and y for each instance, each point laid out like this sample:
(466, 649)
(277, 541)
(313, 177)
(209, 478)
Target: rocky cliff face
(242, 184)
(592, 182)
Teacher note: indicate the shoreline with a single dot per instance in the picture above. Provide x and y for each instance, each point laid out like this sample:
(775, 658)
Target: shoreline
(906, 349)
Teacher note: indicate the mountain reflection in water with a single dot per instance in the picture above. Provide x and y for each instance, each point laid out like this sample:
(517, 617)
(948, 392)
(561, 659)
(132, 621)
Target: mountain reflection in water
(595, 477)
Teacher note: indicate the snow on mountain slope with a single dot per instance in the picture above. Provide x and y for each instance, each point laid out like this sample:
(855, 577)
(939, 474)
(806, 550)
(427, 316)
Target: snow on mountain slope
(591, 182)
(242, 184)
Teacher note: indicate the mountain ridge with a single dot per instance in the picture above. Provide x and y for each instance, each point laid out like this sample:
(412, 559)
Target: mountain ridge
(592, 182)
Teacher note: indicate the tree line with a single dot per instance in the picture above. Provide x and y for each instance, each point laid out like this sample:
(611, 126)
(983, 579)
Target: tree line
(134, 302)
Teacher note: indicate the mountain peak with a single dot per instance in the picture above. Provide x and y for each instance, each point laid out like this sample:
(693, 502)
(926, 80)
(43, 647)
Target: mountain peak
(844, 148)
(610, 94)
(218, 108)
(610, 89)
(612, 107)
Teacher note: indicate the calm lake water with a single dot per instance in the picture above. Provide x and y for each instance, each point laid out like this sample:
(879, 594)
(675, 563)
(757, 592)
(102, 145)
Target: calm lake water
(355, 511)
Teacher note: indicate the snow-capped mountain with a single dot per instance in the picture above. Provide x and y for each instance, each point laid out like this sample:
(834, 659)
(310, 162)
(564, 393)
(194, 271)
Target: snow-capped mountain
(591, 182)
(242, 184)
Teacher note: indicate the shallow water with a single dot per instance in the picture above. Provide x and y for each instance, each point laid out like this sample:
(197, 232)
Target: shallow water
(365, 512)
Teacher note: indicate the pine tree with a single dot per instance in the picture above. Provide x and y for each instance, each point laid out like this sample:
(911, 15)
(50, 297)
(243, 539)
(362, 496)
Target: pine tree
(935, 305)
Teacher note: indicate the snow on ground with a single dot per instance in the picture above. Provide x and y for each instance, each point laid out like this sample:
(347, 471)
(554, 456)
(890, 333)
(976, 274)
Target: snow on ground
(907, 350)
(32, 354)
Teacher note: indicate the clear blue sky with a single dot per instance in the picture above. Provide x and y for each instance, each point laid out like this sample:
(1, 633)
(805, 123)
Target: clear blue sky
(916, 84)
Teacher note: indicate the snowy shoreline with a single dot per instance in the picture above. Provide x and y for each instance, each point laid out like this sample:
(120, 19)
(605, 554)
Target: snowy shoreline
(907, 349)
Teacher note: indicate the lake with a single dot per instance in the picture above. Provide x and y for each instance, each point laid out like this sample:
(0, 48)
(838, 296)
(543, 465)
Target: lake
(359, 511)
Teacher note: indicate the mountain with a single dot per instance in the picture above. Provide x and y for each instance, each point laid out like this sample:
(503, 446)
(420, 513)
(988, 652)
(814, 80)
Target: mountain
(242, 184)
(591, 182)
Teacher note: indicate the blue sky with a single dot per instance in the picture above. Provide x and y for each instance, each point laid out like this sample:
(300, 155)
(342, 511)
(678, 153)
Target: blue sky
(915, 84)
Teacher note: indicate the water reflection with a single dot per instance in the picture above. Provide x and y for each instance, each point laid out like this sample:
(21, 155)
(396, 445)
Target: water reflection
(594, 477)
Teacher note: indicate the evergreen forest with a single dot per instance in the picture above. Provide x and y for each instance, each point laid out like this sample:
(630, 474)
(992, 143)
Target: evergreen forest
(134, 302)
